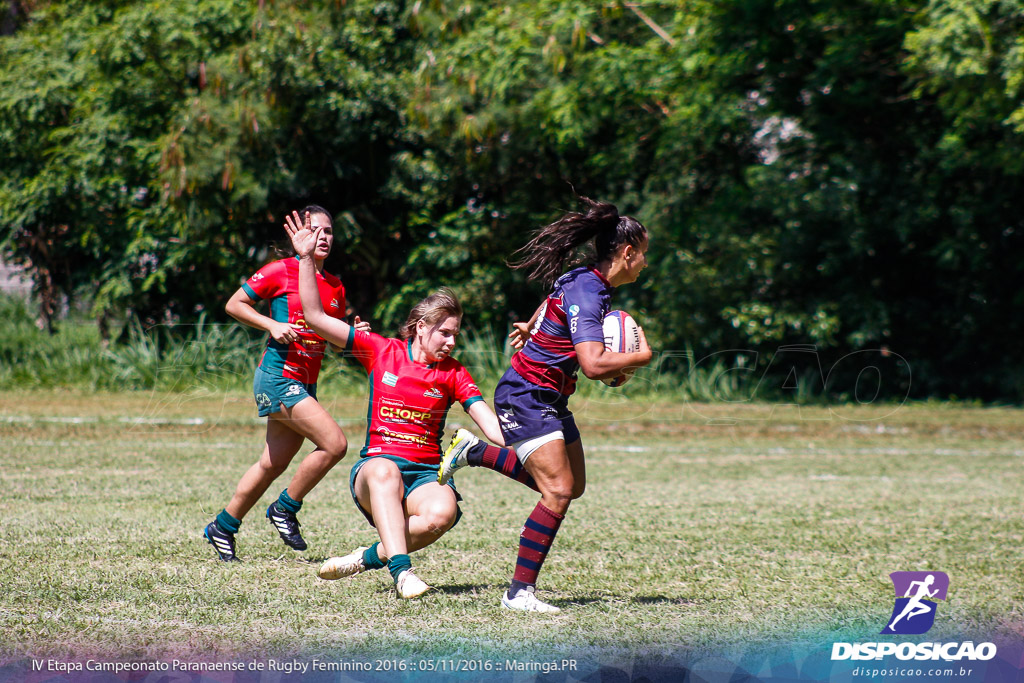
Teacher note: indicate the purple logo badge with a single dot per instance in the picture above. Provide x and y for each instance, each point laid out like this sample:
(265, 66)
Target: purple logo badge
(917, 594)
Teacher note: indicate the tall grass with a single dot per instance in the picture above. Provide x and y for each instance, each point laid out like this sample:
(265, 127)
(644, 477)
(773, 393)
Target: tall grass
(171, 358)
(221, 356)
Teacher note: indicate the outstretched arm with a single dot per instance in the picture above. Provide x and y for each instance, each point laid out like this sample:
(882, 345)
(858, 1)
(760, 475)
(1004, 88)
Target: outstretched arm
(304, 241)
(487, 421)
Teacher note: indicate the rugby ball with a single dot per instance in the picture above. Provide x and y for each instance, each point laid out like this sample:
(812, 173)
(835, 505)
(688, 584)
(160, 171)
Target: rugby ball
(620, 336)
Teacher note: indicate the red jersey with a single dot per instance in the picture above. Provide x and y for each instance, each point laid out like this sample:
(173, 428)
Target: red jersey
(409, 401)
(278, 282)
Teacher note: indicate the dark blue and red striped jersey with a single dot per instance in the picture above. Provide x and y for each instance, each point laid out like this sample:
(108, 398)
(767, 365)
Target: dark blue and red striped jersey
(573, 313)
(278, 283)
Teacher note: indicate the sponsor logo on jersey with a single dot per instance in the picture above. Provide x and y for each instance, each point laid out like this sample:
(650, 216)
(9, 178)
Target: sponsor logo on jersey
(256, 278)
(433, 392)
(334, 304)
(396, 411)
(574, 310)
(398, 437)
(389, 379)
(302, 327)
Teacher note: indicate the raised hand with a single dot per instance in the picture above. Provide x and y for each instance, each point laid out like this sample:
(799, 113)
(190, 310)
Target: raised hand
(303, 237)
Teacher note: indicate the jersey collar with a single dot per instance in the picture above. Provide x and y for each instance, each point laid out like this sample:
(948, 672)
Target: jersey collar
(408, 351)
(319, 273)
(602, 278)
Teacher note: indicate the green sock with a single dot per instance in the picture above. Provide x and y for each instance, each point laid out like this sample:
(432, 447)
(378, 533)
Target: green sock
(398, 564)
(371, 560)
(285, 501)
(228, 523)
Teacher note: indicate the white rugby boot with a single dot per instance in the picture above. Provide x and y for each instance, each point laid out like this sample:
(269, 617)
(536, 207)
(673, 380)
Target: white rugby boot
(340, 567)
(410, 586)
(526, 601)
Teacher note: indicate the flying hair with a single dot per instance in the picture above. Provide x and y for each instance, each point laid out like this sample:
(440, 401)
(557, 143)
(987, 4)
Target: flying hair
(544, 256)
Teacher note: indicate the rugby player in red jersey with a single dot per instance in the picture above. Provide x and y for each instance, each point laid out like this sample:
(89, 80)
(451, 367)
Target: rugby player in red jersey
(414, 381)
(284, 387)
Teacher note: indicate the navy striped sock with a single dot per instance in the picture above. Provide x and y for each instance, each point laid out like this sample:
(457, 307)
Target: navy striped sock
(502, 460)
(534, 544)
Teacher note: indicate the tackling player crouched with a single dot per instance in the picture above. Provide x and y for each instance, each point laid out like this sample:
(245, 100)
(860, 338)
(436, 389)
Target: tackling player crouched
(414, 381)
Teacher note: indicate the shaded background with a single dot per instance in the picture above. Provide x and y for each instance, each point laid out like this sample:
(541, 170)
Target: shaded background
(842, 177)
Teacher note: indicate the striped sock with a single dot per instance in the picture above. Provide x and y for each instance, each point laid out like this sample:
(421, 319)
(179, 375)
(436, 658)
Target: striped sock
(502, 460)
(534, 544)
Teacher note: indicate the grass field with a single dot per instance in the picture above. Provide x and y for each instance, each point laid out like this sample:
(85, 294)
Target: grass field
(704, 528)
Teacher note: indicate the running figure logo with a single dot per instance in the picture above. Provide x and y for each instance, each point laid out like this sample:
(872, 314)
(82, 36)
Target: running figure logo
(917, 594)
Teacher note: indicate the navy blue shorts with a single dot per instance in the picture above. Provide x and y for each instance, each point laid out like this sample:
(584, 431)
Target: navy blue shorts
(526, 411)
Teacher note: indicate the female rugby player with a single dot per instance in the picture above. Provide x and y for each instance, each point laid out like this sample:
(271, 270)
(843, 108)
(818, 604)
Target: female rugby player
(284, 386)
(532, 396)
(414, 381)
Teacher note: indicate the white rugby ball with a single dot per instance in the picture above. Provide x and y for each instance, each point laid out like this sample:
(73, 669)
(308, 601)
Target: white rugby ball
(620, 336)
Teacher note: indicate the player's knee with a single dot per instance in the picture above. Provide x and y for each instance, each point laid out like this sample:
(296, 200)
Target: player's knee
(439, 517)
(381, 473)
(272, 468)
(336, 448)
(558, 496)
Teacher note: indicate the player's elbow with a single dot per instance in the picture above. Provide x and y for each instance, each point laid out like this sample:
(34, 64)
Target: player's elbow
(590, 371)
(232, 308)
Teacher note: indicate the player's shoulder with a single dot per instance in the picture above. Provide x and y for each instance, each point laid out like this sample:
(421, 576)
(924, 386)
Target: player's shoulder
(584, 281)
(277, 266)
(456, 375)
(377, 340)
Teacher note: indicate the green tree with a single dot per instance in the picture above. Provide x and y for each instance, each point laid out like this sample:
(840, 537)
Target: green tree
(150, 150)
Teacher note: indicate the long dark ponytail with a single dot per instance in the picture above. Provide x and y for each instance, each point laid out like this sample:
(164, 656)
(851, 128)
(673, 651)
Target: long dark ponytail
(545, 255)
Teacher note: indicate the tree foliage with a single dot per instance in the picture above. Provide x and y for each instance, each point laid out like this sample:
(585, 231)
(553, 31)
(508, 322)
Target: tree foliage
(836, 175)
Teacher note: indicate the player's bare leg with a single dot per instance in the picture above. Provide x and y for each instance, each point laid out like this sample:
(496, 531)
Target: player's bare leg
(379, 489)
